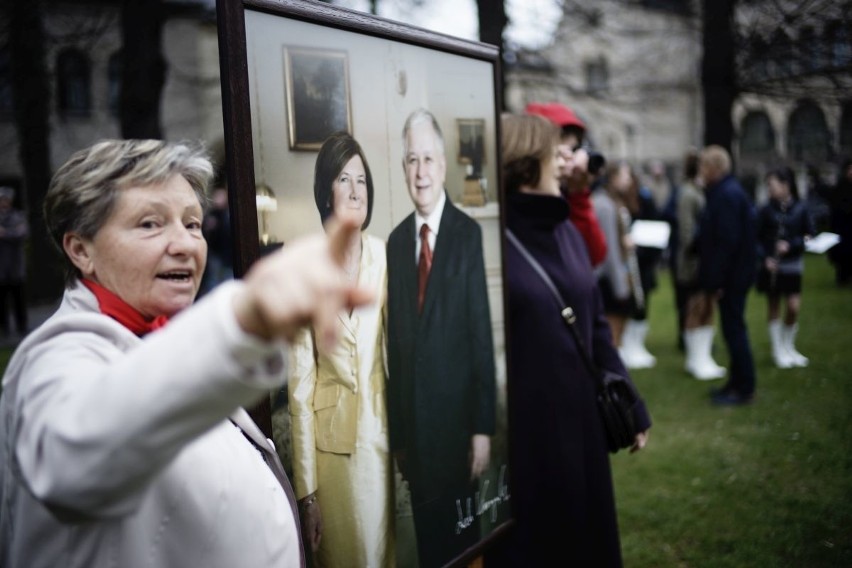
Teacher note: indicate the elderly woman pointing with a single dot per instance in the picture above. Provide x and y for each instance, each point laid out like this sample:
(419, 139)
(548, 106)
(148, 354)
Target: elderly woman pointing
(124, 441)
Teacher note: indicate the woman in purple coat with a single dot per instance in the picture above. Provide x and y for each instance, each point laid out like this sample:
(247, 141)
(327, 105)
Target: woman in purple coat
(562, 490)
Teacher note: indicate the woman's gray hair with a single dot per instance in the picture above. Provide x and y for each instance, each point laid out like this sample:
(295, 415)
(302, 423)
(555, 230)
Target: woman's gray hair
(83, 192)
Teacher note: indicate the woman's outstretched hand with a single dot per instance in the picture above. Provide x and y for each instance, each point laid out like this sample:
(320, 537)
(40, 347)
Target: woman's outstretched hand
(301, 284)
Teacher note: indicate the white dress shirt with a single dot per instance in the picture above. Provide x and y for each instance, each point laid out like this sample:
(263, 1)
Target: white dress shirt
(434, 222)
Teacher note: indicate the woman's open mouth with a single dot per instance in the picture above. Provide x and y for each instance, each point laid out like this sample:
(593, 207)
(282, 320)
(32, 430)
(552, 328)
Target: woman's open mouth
(176, 276)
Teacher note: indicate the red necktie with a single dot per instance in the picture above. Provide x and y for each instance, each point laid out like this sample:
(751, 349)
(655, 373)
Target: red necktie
(423, 265)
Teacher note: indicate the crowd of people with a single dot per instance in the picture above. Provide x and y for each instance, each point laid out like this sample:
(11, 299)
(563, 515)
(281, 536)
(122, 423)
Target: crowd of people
(383, 350)
(722, 245)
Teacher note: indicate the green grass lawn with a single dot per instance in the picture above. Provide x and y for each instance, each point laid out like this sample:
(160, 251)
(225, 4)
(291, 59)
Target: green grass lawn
(764, 485)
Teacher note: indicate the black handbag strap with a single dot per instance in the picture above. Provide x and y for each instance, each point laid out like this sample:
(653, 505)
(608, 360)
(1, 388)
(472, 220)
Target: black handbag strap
(567, 312)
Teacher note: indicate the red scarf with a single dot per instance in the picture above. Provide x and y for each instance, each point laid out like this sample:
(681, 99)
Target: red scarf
(122, 312)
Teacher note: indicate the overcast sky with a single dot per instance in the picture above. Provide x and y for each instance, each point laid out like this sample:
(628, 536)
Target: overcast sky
(531, 21)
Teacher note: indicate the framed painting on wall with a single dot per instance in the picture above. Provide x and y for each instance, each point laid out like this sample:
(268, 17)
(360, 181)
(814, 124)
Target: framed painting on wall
(471, 137)
(383, 427)
(317, 95)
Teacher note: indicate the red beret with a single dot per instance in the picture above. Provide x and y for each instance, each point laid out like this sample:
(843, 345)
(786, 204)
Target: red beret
(558, 114)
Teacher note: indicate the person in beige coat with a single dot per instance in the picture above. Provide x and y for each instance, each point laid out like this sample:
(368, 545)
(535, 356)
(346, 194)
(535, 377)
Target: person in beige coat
(341, 466)
(123, 438)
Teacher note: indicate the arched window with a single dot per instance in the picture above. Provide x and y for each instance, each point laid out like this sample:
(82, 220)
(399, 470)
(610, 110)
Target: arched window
(808, 138)
(72, 82)
(114, 82)
(7, 103)
(846, 129)
(756, 134)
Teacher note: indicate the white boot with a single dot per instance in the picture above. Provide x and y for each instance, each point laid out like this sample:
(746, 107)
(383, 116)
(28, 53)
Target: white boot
(705, 367)
(627, 350)
(633, 353)
(640, 333)
(788, 335)
(780, 354)
(691, 348)
(708, 333)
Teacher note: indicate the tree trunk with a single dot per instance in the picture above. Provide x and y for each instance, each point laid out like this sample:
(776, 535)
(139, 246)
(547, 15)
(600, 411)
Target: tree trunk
(718, 74)
(143, 68)
(492, 23)
(31, 95)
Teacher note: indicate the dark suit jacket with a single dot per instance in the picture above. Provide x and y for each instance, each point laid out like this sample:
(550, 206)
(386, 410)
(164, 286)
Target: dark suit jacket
(727, 238)
(441, 384)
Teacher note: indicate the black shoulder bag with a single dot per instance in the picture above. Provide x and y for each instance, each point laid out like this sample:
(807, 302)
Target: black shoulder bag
(616, 396)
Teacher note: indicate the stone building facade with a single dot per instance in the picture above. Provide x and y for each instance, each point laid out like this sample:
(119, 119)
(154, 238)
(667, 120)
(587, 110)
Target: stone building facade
(632, 70)
(83, 44)
(629, 68)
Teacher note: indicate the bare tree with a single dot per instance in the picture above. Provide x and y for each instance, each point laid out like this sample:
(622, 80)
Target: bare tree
(492, 24)
(718, 77)
(794, 48)
(143, 68)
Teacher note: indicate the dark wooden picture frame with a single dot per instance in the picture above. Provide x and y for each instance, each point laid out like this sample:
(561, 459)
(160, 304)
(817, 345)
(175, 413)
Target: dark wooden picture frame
(262, 159)
(317, 95)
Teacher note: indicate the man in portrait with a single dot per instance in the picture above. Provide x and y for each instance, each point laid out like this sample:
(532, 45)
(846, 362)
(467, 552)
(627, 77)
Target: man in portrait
(441, 381)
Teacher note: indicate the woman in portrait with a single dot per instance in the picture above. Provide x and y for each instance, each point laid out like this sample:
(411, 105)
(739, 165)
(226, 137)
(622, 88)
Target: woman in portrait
(124, 436)
(562, 490)
(341, 465)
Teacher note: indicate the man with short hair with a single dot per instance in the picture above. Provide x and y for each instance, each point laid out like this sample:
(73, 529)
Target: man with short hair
(441, 373)
(728, 252)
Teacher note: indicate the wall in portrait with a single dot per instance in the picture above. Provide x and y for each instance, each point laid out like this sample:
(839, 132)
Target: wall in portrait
(388, 80)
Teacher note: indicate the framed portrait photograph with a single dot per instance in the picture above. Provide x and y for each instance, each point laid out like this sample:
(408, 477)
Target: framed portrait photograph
(397, 438)
(317, 95)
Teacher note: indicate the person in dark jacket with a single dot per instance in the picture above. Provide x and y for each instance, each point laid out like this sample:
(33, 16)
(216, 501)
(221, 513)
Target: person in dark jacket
(728, 256)
(840, 203)
(562, 491)
(783, 226)
(14, 231)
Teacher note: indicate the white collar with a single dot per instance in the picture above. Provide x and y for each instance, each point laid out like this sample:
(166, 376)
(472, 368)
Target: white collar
(434, 218)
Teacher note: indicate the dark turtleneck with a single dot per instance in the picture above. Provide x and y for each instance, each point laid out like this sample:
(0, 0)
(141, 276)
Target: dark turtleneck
(534, 218)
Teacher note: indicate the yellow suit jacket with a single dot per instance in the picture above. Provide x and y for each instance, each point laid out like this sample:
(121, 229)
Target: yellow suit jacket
(324, 388)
